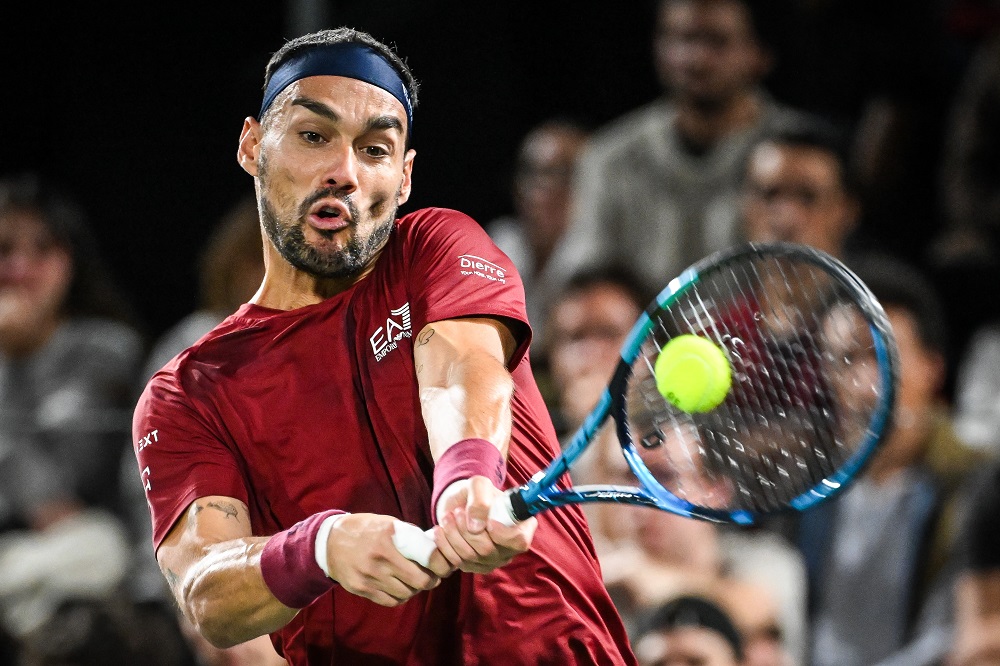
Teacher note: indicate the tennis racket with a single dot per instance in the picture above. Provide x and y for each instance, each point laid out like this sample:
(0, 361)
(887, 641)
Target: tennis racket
(813, 374)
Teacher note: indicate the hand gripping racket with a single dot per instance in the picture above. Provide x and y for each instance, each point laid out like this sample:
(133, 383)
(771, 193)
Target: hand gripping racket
(813, 366)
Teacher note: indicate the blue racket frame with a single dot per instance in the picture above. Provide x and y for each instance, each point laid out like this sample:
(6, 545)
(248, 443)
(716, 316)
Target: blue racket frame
(541, 492)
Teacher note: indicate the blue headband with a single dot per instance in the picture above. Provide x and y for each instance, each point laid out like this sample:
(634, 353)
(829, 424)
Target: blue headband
(350, 59)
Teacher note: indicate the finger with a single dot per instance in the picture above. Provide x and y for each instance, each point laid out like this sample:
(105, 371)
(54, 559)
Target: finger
(517, 538)
(480, 542)
(452, 532)
(480, 497)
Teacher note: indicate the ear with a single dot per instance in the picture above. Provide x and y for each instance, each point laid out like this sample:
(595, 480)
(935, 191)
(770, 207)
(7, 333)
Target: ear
(407, 184)
(246, 154)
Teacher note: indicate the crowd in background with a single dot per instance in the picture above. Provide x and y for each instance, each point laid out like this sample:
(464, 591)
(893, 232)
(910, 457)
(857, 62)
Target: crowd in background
(766, 130)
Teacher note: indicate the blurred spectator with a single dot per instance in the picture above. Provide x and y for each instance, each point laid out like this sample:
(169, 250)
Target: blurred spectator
(977, 390)
(69, 355)
(231, 267)
(546, 163)
(977, 593)
(880, 555)
(798, 187)
(689, 631)
(657, 188)
(82, 632)
(588, 322)
(649, 556)
(967, 252)
(877, 70)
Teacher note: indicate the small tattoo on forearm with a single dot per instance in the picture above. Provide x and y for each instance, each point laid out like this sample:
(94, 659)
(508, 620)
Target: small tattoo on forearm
(226, 508)
(425, 337)
(172, 579)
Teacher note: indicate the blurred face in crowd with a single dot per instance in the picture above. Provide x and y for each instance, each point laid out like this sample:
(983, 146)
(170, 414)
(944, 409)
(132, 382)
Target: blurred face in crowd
(331, 168)
(543, 184)
(706, 51)
(685, 646)
(588, 327)
(921, 376)
(796, 194)
(35, 275)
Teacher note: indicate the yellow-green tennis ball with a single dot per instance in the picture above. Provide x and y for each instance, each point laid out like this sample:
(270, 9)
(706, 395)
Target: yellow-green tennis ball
(693, 373)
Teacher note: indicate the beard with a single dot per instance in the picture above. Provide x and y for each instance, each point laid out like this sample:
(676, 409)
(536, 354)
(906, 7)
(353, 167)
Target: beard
(289, 238)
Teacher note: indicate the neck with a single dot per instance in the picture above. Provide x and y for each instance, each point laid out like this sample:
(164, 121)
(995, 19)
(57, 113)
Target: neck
(287, 288)
(703, 125)
(22, 342)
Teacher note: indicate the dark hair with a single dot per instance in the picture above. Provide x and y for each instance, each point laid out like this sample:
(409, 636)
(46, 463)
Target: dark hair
(896, 282)
(236, 237)
(766, 23)
(695, 611)
(819, 134)
(341, 36)
(615, 274)
(92, 291)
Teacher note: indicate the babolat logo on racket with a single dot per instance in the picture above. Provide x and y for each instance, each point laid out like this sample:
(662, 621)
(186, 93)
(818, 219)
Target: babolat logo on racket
(397, 326)
(473, 265)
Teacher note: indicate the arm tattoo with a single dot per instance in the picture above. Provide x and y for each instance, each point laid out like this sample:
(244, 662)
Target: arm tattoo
(172, 579)
(425, 337)
(226, 508)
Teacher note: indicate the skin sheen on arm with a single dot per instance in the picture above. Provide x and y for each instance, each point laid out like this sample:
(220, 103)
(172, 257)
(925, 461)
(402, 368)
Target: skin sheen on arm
(212, 565)
(465, 393)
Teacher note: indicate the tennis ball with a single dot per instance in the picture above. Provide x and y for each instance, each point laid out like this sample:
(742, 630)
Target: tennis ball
(693, 373)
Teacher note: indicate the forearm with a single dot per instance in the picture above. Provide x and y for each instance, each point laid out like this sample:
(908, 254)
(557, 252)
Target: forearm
(470, 399)
(224, 595)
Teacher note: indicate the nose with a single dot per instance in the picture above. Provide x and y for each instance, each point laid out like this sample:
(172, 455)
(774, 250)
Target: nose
(342, 169)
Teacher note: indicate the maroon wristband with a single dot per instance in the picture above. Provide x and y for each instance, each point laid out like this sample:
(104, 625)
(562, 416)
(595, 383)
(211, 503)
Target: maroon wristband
(463, 460)
(288, 563)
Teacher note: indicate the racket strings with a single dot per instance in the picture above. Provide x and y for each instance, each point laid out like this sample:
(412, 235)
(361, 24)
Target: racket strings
(788, 423)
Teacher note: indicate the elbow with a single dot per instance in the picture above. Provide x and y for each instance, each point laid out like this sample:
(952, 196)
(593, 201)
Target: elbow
(220, 630)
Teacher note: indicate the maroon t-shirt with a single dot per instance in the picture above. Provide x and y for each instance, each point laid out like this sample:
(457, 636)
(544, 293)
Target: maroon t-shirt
(295, 412)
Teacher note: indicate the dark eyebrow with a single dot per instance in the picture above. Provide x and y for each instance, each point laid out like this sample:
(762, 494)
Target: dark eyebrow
(318, 108)
(374, 124)
(384, 123)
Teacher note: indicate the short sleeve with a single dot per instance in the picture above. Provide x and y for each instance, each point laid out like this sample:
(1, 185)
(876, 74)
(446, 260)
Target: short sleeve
(181, 455)
(456, 270)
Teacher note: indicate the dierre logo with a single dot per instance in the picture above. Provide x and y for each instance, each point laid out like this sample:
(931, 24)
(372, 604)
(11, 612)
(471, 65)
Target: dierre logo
(472, 265)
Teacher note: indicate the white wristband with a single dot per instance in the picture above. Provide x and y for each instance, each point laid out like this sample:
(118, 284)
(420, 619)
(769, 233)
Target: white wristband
(322, 535)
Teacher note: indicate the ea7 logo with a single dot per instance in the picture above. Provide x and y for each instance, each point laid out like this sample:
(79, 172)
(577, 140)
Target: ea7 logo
(397, 326)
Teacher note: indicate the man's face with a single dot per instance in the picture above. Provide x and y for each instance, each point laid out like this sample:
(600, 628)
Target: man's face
(796, 194)
(35, 274)
(543, 183)
(331, 168)
(705, 50)
(588, 328)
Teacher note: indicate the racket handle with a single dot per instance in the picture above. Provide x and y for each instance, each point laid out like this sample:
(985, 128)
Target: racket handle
(502, 512)
(417, 545)
(414, 543)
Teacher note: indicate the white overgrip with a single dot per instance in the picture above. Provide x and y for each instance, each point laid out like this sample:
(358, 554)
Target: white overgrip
(414, 543)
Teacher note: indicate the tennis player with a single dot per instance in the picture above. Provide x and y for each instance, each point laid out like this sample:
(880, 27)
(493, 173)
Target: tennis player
(379, 375)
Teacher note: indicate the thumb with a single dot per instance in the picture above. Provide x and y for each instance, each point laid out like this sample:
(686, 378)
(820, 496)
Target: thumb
(477, 507)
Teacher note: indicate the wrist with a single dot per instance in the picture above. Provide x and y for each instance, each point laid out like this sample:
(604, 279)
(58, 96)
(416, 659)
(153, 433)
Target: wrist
(463, 460)
(290, 563)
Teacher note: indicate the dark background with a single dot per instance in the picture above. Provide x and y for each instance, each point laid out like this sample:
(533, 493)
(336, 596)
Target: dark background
(138, 111)
(138, 108)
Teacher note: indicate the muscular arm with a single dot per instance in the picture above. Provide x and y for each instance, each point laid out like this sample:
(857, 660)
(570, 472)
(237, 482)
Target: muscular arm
(465, 388)
(212, 565)
(466, 392)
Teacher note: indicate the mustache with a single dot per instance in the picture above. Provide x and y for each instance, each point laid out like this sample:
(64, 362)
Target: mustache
(329, 193)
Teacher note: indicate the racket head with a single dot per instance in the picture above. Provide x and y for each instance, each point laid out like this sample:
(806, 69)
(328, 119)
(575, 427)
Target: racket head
(814, 370)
